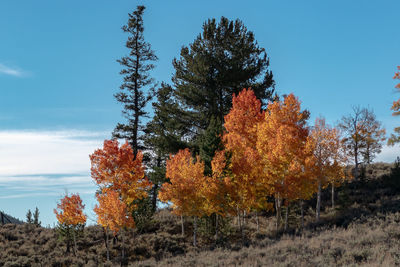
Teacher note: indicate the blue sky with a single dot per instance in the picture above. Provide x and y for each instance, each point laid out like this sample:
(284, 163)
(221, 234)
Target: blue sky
(58, 74)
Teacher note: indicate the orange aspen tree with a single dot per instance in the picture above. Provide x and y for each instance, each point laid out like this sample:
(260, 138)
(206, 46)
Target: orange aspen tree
(395, 138)
(70, 217)
(115, 168)
(218, 189)
(281, 144)
(325, 161)
(184, 190)
(113, 214)
(240, 138)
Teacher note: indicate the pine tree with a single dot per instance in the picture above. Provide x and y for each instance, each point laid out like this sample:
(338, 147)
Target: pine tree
(222, 60)
(36, 221)
(163, 136)
(210, 142)
(29, 218)
(136, 79)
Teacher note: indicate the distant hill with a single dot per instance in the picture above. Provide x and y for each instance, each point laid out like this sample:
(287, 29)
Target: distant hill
(9, 219)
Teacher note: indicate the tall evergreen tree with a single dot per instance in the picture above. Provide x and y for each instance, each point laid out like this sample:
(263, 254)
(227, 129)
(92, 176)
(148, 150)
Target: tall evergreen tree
(222, 60)
(163, 136)
(137, 66)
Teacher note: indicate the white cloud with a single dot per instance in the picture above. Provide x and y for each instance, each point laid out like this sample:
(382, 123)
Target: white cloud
(33, 152)
(11, 71)
(388, 154)
(46, 163)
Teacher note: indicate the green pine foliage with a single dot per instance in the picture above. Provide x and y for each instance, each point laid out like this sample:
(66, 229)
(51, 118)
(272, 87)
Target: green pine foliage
(36, 221)
(210, 142)
(137, 66)
(222, 60)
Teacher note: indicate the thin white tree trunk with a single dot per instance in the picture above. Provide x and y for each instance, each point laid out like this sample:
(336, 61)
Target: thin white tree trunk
(278, 211)
(258, 224)
(183, 227)
(318, 208)
(194, 231)
(286, 216)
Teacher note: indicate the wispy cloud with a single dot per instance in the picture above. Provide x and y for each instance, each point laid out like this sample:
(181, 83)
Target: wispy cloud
(12, 71)
(388, 154)
(38, 167)
(39, 163)
(46, 152)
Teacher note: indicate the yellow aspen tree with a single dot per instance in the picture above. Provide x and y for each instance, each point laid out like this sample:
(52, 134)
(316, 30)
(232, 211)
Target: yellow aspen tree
(113, 214)
(184, 189)
(325, 144)
(281, 144)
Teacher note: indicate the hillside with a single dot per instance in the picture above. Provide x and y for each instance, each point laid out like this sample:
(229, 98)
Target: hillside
(9, 219)
(362, 229)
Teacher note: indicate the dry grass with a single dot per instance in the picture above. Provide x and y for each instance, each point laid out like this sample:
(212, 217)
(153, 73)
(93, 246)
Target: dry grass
(364, 229)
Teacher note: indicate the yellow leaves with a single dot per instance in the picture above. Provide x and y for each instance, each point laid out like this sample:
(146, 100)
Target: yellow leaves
(70, 210)
(281, 146)
(186, 180)
(112, 213)
(266, 154)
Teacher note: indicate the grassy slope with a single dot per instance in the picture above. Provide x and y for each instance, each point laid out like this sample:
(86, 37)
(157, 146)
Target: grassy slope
(364, 229)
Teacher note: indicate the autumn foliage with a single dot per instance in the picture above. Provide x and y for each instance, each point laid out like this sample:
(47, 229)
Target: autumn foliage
(240, 140)
(115, 168)
(267, 153)
(184, 189)
(395, 138)
(70, 210)
(112, 213)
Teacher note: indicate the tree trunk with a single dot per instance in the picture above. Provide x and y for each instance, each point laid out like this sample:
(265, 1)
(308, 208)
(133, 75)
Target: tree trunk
(154, 198)
(239, 221)
(216, 227)
(258, 224)
(73, 234)
(333, 196)
(244, 218)
(286, 216)
(183, 227)
(278, 211)
(122, 248)
(356, 165)
(302, 213)
(194, 231)
(318, 208)
(105, 235)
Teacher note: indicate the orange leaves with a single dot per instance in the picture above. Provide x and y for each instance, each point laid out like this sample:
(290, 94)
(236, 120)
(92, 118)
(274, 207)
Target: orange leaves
(122, 181)
(186, 182)
(396, 104)
(115, 168)
(240, 140)
(397, 76)
(281, 139)
(112, 213)
(70, 210)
